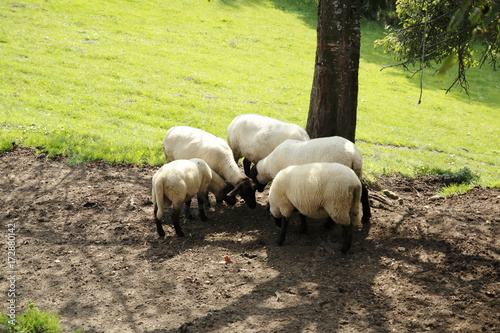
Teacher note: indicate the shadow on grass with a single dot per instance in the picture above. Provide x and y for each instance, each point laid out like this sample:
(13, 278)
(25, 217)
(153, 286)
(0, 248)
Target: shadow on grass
(306, 10)
(483, 82)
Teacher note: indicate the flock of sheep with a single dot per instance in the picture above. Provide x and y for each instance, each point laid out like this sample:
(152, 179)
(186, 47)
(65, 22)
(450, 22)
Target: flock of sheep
(321, 178)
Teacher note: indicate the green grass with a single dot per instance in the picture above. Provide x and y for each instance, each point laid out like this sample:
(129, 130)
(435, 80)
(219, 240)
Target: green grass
(446, 131)
(97, 80)
(32, 320)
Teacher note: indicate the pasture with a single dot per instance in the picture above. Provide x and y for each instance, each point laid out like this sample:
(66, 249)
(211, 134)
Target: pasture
(104, 81)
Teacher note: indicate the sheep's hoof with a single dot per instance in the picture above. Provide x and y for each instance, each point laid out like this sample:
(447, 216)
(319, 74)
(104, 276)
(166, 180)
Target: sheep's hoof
(161, 233)
(344, 249)
(279, 241)
(329, 223)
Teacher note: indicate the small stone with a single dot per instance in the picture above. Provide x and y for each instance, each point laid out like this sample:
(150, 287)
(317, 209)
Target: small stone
(390, 194)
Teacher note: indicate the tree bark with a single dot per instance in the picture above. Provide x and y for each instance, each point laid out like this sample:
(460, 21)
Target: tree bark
(334, 94)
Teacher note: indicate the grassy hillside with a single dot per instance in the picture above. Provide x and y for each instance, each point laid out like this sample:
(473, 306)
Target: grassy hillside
(105, 80)
(445, 131)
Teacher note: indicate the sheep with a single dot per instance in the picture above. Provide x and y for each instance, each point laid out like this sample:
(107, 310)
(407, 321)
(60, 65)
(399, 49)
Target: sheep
(334, 149)
(317, 190)
(184, 142)
(220, 188)
(175, 183)
(253, 137)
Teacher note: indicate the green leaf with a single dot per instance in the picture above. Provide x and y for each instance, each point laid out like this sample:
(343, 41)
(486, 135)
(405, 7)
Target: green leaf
(458, 17)
(446, 65)
(474, 15)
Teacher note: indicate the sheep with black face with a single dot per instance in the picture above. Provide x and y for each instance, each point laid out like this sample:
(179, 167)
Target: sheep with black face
(184, 142)
(253, 137)
(317, 190)
(334, 149)
(175, 184)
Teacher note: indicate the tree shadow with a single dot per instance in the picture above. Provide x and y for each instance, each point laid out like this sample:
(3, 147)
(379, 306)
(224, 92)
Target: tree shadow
(112, 257)
(305, 10)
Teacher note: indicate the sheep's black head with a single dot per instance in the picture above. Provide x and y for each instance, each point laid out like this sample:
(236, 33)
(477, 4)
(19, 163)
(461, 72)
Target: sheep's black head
(253, 175)
(246, 189)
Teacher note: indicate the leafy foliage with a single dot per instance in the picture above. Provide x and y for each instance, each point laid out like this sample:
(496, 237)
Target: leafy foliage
(379, 10)
(32, 320)
(462, 176)
(446, 32)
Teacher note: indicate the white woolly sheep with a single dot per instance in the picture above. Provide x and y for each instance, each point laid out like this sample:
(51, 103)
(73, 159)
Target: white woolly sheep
(334, 149)
(317, 190)
(184, 142)
(253, 137)
(175, 183)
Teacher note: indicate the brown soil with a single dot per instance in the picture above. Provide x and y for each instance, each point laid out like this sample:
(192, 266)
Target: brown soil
(86, 247)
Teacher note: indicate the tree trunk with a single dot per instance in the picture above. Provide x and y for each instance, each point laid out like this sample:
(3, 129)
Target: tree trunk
(332, 110)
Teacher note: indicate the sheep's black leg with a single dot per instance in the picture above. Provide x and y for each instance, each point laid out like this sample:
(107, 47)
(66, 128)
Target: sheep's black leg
(201, 206)
(282, 234)
(328, 223)
(346, 238)
(365, 203)
(303, 223)
(187, 210)
(175, 221)
(207, 200)
(246, 166)
(277, 221)
(159, 228)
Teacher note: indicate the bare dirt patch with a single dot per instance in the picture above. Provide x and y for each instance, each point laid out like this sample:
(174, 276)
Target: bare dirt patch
(87, 248)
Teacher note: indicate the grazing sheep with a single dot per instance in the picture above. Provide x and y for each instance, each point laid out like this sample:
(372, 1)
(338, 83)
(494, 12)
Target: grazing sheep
(184, 142)
(176, 183)
(334, 149)
(253, 137)
(317, 190)
(220, 188)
